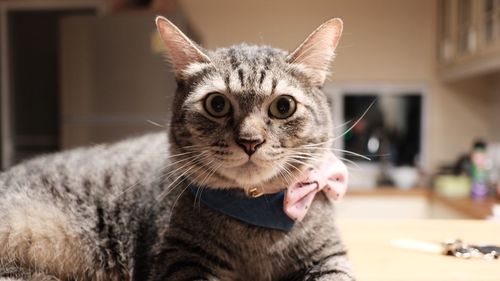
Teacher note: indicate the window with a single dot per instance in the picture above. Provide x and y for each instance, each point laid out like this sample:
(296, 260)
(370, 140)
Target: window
(383, 123)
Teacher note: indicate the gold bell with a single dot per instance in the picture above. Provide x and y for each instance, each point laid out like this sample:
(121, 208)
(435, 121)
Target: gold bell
(254, 192)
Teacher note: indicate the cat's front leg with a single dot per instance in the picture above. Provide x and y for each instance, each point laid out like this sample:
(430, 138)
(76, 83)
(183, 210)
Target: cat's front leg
(192, 248)
(184, 258)
(330, 267)
(17, 273)
(187, 269)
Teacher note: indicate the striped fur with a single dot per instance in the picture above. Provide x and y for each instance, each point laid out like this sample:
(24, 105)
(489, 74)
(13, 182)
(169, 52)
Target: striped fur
(121, 211)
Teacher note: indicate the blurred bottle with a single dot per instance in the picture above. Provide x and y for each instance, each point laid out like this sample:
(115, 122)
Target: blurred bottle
(493, 153)
(479, 177)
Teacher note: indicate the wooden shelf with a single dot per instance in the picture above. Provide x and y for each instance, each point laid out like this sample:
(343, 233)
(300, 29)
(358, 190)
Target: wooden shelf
(483, 62)
(469, 38)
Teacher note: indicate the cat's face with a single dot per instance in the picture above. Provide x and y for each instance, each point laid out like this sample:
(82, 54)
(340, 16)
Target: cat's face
(249, 116)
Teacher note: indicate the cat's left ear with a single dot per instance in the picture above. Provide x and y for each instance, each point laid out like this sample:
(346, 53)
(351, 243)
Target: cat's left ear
(317, 52)
(181, 51)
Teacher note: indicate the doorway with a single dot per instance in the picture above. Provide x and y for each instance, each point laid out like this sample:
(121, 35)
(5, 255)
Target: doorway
(30, 93)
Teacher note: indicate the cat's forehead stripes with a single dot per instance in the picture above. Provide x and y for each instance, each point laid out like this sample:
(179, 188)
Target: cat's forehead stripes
(249, 67)
(195, 68)
(245, 70)
(248, 96)
(209, 84)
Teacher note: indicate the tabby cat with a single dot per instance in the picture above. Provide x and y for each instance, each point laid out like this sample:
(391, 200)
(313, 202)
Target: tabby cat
(244, 119)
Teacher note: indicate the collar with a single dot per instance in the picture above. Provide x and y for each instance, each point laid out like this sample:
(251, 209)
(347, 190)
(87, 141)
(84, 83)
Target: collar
(280, 210)
(264, 211)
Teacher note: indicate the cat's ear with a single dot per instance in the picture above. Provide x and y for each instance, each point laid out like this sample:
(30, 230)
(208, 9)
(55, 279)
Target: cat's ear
(181, 51)
(318, 50)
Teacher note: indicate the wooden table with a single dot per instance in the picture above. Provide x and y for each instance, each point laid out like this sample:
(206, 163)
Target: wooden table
(375, 259)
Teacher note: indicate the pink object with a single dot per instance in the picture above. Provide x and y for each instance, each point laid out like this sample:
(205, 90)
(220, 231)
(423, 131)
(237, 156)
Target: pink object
(330, 177)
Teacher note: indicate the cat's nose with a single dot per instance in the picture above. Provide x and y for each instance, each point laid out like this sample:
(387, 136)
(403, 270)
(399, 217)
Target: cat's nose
(250, 145)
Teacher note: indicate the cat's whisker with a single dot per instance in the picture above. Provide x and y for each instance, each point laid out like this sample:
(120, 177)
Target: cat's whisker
(307, 152)
(186, 158)
(164, 176)
(281, 174)
(156, 124)
(188, 185)
(316, 144)
(178, 184)
(179, 196)
(305, 164)
(170, 155)
(281, 170)
(190, 160)
(319, 146)
(199, 190)
(203, 181)
(307, 156)
(380, 155)
(352, 153)
(345, 132)
(161, 175)
(342, 125)
(288, 177)
(196, 159)
(316, 155)
(137, 183)
(344, 151)
(197, 147)
(198, 186)
(193, 157)
(301, 172)
(301, 155)
(212, 171)
(166, 155)
(350, 162)
(357, 121)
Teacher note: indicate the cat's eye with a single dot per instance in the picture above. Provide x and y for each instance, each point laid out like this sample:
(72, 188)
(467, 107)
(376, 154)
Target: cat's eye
(283, 107)
(217, 105)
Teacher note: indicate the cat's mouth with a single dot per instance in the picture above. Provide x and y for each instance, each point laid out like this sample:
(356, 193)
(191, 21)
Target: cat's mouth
(249, 172)
(249, 164)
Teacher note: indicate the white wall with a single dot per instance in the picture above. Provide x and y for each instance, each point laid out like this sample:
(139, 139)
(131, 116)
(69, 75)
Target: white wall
(384, 41)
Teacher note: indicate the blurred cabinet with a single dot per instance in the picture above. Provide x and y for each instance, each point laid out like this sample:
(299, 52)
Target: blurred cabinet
(468, 38)
(30, 68)
(115, 82)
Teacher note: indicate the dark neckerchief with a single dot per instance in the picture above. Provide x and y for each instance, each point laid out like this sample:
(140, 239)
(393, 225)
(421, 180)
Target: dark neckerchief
(264, 211)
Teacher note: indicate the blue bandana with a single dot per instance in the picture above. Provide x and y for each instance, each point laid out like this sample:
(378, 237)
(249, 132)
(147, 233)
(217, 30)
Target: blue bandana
(264, 211)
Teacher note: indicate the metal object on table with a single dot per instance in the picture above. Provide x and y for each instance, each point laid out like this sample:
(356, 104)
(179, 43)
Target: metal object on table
(452, 247)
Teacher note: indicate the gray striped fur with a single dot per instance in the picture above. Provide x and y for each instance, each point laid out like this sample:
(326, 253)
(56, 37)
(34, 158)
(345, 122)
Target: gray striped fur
(120, 211)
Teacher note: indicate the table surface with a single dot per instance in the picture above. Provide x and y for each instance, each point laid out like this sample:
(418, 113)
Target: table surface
(374, 259)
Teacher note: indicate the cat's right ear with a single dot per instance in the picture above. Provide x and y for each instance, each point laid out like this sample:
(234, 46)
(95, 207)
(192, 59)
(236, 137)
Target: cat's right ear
(318, 50)
(181, 51)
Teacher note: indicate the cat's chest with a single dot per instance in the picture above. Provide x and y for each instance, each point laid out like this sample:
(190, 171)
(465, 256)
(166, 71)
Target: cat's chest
(254, 253)
(274, 254)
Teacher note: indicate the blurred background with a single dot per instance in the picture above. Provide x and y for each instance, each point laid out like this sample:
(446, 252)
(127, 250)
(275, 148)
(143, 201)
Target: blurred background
(415, 87)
